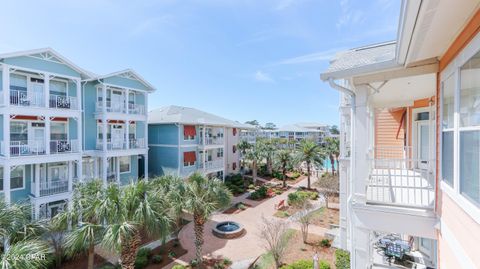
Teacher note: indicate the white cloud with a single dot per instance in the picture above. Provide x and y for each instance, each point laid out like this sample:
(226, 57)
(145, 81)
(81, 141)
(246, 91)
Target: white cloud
(349, 15)
(312, 57)
(262, 77)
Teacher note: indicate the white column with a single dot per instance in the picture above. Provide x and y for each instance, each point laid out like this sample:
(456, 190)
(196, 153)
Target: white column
(80, 169)
(127, 134)
(127, 91)
(204, 150)
(47, 134)
(145, 158)
(6, 183)
(226, 152)
(37, 181)
(362, 145)
(104, 169)
(46, 89)
(80, 134)
(95, 168)
(37, 210)
(6, 135)
(104, 117)
(117, 168)
(70, 176)
(78, 83)
(6, 84)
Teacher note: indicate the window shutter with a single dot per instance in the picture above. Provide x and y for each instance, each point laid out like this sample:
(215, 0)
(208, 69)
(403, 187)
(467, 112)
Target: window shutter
(234, 166)
(189, 130)
(234, 130)
(234, 148)
(189, 156)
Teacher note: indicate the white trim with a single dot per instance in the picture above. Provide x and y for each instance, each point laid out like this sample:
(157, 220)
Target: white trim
(467, 205)
(129, 164)
(456, 246)
(119, 73)
(37, 71)
(10, 181)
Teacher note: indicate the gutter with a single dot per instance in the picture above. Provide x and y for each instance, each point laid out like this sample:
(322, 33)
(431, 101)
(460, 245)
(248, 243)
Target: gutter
(352, 95)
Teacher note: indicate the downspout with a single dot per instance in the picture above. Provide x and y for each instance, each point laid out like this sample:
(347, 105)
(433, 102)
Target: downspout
(352, 159)
(179, 154)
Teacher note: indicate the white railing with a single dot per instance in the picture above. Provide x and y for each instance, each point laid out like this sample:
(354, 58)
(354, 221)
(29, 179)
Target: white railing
(64, 102)
(137, 143)
(26, 148)
(136, 109)
(25, 98)
(50, 188)
(212, 141)
(398, 178)
(211, 165)
(112, 145)
(116, 107)
(64, 146)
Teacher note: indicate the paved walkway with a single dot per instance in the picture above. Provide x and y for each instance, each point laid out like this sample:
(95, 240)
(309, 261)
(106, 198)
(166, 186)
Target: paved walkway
(250, 245)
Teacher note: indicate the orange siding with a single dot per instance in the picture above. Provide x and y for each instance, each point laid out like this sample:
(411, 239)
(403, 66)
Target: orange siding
(387, 124)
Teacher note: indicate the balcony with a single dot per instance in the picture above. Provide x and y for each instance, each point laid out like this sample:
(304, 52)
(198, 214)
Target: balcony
(212, 165)
(27, 99)
(63, 102)
(27, 148)
(119, 107)
(212, 141)
(64, 146)
(50, 188)
(397, 178)
(138, 143)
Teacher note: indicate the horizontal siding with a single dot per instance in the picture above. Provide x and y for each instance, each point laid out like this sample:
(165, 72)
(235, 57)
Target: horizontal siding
(386, 126)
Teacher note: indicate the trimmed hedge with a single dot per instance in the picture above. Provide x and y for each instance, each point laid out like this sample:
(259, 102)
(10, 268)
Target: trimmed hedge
(306, 264)
(342, 259)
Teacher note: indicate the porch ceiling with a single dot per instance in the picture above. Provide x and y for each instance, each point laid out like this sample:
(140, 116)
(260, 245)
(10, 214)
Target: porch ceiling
(403, 91)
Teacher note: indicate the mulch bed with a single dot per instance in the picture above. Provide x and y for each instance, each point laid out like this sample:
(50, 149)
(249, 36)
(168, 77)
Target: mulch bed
(235, 210)
(171, 249)
(211, 263)
(328, 216)
(81, 261)
(297, 250)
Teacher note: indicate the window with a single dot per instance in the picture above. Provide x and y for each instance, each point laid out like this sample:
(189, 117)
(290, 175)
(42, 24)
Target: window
(18, 82)
(18, 131)
(189, 132)
(1, 178)
(219, 153)
(124, 164)
(58, 130)
(234, 131)
(132, 131)
(469, 129)
(99, 131)
(58, 87)
(17, 178)
(234, 148)
(447, 157)
(189, 158)
(234, 166)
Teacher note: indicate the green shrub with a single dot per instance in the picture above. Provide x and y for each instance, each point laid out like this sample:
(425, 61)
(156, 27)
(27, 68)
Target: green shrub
(172, 255)
(179, 266)
(227, 262)
(194, 263)
(144, 252)
(277, 174)
(301, 264)
(241, 206)
(157, 259)
(278, 192)
(108, 266)
(259, 194)
(251, 187)
(297, 199)
(141, 262)
(295, 175)
(323, 265)
(342, 259)
(325, 243)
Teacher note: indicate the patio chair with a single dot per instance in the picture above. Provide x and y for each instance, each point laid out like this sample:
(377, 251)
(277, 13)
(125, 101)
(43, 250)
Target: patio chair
(280, 205)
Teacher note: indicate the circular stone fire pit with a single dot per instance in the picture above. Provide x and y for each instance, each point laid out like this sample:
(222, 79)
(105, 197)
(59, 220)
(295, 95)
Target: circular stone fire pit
(228, 230)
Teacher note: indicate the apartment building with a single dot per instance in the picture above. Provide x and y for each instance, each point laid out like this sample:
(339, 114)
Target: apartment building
(409, 134)
(52, 113)
(185, 140)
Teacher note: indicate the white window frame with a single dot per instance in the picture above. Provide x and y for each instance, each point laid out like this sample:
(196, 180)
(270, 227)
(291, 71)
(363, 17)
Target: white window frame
(453, 68)
(189, 137)
(129, 164)
(63, 81)
(23, 179)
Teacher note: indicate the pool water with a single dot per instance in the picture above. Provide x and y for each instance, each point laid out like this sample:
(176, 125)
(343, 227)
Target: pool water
(228, 227)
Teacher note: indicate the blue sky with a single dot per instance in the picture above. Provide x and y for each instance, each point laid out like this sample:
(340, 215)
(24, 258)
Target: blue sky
(244, 60)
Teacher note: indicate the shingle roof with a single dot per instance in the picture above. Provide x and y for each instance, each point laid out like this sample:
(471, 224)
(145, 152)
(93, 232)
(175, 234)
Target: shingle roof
(357, 60)
(188, 115)
(295, 128)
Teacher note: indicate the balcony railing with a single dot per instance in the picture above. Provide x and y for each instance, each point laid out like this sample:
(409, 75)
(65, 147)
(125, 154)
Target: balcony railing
(137, 143)
(211, 165)
(212, 141)
(27, 148)
(25, 98)
(136, 109)
(64, 146)
(51, 188)
(398, 178)
(64, 102)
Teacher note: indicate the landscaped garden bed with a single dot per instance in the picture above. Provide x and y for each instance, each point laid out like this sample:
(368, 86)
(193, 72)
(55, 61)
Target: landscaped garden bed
(238, 184)
(210, 263)
(237, 208)
(159, 257)
(80, 262)
(266, 191)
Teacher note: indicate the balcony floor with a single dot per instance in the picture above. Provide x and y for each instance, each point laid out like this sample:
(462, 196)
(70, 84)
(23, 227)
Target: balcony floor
(402, 187)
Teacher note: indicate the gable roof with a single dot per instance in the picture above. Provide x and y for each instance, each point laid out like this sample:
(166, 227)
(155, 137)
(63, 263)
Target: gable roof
(296, 128)
(128, 73)
(188, 115)
(50, 54)
(362, 60)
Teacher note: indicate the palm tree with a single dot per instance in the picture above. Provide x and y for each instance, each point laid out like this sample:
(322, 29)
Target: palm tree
(284, 159)
(21, 238)
(311, 154)
(268, 148)
(115, 216)
(254, 155)
(243, 146)
(202, 197)
(332, 149)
